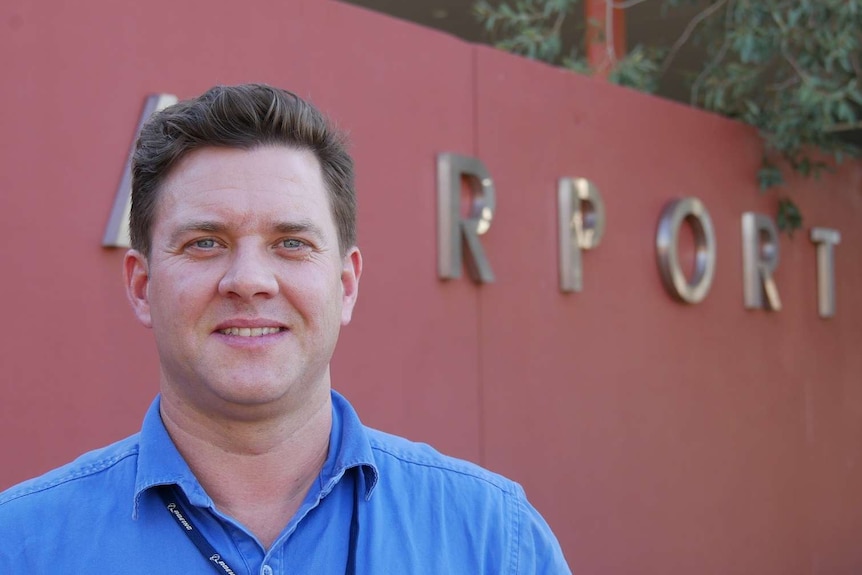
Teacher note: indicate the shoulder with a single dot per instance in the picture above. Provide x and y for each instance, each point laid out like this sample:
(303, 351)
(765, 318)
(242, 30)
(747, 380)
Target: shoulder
(81, 474)
(492, 524)
(393, 453)
(415, 478)
(53, 520)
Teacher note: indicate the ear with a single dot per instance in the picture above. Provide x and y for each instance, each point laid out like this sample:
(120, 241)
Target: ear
(351, 269)
(136, 274)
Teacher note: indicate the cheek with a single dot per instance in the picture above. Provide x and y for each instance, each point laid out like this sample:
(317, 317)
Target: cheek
(319, 301)
(177, 299)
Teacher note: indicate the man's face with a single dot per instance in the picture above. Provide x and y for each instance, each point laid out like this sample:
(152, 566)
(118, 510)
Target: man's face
(244, 288)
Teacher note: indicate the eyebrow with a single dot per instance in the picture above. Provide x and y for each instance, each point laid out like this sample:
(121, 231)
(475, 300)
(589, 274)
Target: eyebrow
(196, 226)
(299, 226)
(211, 226)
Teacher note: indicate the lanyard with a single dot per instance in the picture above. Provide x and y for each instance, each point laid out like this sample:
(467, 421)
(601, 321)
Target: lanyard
(172, 499)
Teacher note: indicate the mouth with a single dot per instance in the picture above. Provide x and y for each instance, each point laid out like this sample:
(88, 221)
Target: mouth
(250, 331)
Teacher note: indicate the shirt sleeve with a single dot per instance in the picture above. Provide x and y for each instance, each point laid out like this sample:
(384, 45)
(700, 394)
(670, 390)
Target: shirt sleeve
(539, 552)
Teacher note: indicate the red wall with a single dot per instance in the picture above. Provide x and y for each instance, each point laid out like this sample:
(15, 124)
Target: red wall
(655, 437)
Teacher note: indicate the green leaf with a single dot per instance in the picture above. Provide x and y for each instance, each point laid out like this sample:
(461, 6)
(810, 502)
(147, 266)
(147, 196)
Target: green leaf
(788, 218)
(788, 67)
(769, 176)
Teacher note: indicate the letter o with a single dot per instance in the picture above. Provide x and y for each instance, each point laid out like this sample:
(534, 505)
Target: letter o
(677, 285)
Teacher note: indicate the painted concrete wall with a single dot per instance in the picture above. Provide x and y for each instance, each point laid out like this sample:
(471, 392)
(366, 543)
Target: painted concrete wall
(655, 437)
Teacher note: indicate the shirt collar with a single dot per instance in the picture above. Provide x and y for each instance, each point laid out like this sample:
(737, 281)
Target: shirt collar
(160, 463)
(348, 447)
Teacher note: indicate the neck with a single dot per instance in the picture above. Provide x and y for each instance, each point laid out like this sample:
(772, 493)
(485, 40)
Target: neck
(255, 470)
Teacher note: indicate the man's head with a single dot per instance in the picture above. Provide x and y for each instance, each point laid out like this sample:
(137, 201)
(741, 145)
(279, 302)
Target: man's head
(243, 117)
(243, 261)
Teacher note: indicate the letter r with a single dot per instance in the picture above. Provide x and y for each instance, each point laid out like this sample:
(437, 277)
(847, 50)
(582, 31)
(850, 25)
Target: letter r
(760, 255)
(452, 169)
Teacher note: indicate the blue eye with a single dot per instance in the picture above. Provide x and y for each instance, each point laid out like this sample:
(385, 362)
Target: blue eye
(292, 244)
(205, 243)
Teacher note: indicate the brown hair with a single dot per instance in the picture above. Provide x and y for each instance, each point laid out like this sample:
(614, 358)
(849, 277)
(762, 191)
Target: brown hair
(245, 117)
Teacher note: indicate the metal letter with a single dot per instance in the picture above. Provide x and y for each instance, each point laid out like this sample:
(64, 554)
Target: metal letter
(826, 240)
(117, 230)
(760, 255)
(451, 170)
(581, 214)
(676, 212)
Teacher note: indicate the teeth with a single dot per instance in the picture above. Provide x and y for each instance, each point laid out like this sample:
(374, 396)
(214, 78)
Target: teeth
(250, 331)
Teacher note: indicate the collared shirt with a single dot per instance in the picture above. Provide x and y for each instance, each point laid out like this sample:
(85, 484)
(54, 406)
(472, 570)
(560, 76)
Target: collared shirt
(381, 505)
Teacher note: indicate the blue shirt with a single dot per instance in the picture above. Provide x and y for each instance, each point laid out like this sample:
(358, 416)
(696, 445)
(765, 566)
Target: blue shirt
(413, 511)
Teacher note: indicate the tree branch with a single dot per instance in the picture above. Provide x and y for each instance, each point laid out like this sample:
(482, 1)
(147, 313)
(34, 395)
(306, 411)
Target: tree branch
(784, 85)
(803, 75)
(627, 4)
(693, 23)
(695, 87)
(843, 126)
(558, 24)
(609, 33)
(854, 61)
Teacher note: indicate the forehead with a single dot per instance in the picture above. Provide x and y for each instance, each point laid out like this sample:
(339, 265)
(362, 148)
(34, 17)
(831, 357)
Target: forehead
(275, 183)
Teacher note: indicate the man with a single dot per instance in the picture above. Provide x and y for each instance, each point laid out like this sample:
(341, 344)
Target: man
(245, 267)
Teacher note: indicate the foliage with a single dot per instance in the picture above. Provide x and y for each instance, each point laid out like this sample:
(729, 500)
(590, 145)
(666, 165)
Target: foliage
(791, 68)
(535, 29)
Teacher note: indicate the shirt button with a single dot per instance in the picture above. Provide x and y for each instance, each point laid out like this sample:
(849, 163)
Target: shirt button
(267, 570)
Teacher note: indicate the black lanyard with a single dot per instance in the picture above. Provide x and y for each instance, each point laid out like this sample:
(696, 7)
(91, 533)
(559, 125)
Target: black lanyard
(173, 503)
(172, 499)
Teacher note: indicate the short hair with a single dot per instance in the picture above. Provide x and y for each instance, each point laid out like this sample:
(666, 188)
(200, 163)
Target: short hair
(244, 117)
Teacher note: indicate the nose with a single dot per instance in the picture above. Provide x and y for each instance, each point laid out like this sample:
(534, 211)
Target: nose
(250, 274)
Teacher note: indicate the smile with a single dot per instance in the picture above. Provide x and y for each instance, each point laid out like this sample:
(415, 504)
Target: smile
(250, 331)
